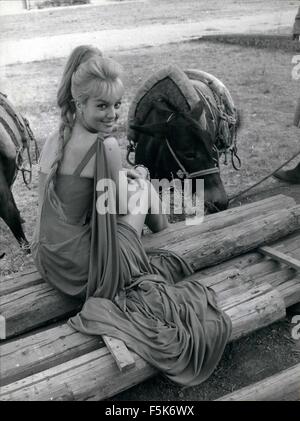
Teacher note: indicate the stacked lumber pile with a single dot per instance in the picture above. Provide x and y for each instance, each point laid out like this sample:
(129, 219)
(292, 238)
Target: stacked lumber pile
(284, 386)
(53, 362)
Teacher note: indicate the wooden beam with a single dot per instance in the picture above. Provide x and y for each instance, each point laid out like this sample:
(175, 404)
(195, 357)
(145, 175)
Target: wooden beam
(35, 303)
(49, 351)
(283, 386)
(122, 356)
(175, 233)
(2, 327)
(218, 246)
(280, 257)
(36, 306)
(178, 232)
(30, 308)
(258, 306)
(17, 281)
(92, 376)
(39, 351)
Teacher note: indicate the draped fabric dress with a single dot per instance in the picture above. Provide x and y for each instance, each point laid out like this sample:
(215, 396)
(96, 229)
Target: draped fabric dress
(127, 292)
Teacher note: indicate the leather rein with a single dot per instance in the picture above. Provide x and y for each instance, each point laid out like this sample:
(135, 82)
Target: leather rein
(182, 172)
(26, 135)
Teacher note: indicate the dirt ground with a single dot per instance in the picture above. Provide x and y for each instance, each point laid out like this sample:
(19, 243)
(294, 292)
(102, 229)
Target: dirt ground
(262, 86)
(114, 16)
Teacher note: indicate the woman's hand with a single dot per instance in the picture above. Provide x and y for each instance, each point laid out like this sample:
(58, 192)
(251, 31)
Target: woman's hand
(138, 174)
(141, 169)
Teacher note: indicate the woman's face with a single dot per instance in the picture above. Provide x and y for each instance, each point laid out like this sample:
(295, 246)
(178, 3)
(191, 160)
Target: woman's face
(98, 113)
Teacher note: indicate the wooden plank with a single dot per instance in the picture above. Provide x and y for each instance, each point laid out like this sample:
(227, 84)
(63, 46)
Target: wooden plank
(260, 299)
(230, 217)
(95, 376)
(213, 248)
(39, 351)
(2, 327)
(279, 256)
(120, 353)
(244, 296)
(231, 279)
(229, 283)
(48, 348)
(31, 307)
(249, 259)
(283, 386)
(261, 309)
(17, 281)
(24, 356)
(290, 291)
(290, 244)
(173, 234)
(35, 306)
(255, 274)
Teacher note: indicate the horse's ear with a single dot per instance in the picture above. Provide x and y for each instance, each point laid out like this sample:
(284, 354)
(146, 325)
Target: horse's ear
(150, 129)
(197, 111)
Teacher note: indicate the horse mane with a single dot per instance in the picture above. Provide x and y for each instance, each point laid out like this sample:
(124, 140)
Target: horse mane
(170, 84)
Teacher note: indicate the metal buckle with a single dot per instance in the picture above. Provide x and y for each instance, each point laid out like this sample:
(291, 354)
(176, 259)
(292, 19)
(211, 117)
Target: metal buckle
(181, 174)
(130, 148)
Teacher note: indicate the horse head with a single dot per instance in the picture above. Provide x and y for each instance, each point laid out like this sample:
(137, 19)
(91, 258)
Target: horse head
(175, 144)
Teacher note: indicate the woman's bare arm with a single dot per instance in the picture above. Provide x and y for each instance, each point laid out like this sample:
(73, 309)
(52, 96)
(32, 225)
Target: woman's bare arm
(156, 220)
(114, 159)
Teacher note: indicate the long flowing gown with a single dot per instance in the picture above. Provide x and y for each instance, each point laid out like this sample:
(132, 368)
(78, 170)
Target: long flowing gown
(129, 293)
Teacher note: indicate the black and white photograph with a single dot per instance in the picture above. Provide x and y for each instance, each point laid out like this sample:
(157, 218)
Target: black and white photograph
(149, 203)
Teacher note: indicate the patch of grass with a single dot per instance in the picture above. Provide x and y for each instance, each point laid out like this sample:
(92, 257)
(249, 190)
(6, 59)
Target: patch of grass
(282, 42)
(42, 4)
(124, 15)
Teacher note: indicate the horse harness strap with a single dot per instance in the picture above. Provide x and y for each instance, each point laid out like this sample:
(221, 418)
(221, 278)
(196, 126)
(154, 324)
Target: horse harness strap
(182, 172)
(26, 135)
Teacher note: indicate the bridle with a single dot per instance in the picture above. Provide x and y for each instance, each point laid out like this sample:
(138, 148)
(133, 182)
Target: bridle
(26, 135)
(182, 173)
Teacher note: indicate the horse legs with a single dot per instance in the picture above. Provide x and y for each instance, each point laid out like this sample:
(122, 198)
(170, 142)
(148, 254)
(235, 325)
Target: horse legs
(9, 212)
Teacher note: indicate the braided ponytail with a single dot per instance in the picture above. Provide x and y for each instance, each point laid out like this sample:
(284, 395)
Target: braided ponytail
(79, 55)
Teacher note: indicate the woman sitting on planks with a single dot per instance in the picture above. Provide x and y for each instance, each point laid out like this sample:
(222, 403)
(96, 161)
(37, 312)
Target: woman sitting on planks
(88, 239)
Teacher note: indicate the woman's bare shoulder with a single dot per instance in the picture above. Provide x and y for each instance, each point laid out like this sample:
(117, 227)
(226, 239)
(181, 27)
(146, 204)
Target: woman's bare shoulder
(113, 153)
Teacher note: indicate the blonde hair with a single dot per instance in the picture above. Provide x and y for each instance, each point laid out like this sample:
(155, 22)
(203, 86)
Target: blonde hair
(96, 77)
(79, 55)
(85, 66)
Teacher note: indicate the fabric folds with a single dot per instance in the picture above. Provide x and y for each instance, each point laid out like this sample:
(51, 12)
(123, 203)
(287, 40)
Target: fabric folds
(143, 297)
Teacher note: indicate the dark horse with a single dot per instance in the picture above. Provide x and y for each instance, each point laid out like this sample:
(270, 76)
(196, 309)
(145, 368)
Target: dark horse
(177, 143)
(15, 137)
